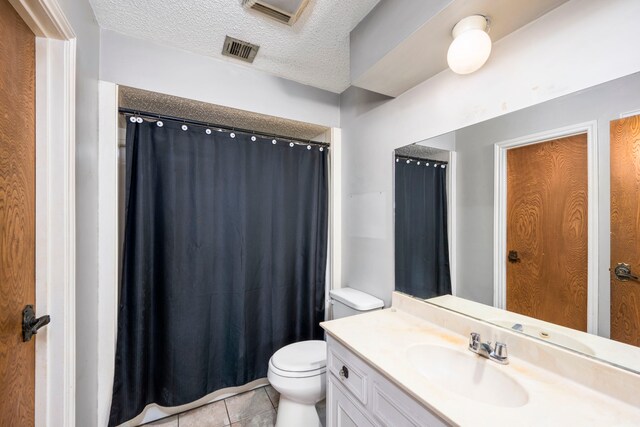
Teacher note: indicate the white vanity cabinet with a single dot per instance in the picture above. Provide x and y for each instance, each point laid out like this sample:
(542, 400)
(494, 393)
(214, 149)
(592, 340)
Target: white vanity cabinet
(359, 396)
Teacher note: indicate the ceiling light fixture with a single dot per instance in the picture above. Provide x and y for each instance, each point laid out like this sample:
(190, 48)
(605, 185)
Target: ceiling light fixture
(471, 45)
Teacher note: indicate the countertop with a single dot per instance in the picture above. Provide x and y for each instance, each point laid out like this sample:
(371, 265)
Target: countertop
(624, 355)
(382, 338)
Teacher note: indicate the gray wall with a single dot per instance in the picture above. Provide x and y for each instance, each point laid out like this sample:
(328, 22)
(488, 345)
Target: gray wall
(82, 20)
(475, 178)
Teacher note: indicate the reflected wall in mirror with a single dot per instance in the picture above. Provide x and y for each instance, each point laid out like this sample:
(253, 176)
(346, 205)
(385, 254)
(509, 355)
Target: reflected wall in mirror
(545, 221)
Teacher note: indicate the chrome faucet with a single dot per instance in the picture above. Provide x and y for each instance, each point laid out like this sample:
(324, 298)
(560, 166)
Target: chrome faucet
(497, 353)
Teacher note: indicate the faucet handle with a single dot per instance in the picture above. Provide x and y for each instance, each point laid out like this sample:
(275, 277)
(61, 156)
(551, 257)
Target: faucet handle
(499, 353)
(474, 341)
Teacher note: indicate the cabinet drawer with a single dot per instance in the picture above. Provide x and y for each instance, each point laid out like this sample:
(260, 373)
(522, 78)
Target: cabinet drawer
(387, 410)
(343, 410)
(348, 370)
(392, 407)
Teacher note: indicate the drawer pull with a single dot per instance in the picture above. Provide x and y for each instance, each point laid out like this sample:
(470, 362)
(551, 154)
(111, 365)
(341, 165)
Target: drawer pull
(344, 372)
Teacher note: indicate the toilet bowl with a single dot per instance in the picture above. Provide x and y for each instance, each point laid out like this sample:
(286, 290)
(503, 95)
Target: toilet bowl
(298, 371)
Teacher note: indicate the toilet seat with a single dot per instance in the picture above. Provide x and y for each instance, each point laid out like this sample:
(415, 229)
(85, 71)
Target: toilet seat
(292, 374)
(300, 359)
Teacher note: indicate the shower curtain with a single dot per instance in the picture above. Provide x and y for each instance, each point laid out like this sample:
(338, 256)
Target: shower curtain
(421, 245)
(224, 260)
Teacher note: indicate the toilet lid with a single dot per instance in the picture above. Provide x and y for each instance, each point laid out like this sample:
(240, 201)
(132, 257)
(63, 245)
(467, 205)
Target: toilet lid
(301, 356)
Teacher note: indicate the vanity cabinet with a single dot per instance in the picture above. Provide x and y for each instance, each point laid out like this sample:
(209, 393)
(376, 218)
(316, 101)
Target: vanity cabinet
(342, 410)
(360, 396)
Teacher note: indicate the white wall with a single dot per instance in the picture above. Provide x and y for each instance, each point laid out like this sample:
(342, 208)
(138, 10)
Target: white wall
(578, 45)
(142, 64)
(80, 15)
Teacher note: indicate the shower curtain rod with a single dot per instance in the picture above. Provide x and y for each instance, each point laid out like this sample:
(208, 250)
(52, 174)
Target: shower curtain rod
(419, 159)
(217, 126)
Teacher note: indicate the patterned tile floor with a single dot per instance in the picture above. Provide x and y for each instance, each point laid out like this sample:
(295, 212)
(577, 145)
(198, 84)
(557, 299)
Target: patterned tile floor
(255, 408)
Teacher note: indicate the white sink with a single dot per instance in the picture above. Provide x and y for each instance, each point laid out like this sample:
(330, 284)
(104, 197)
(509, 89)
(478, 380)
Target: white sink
(467, 374)
(550, 335)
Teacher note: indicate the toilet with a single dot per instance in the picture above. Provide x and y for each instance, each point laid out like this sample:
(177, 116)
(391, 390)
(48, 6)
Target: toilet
(298, 371)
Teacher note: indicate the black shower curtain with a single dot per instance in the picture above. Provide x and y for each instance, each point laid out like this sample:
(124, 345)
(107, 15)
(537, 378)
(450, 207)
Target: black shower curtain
(422, 247)
(224, 260)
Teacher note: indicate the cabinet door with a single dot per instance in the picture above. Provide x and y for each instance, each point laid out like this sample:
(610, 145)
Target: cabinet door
(343, 411)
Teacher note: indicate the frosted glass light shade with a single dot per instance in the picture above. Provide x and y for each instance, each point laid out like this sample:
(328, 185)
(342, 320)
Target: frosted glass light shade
(471, 45)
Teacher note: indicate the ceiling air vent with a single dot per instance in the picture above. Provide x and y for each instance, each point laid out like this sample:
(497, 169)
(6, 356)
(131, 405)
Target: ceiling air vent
(285, 11)
(239, 49)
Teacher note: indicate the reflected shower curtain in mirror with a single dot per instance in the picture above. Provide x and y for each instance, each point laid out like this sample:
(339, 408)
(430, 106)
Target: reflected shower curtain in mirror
(224, 261)
(421, 238)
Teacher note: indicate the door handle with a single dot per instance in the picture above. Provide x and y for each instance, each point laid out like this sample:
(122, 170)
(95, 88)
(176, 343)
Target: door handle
(623, 273)
(513, 256)
(31, 323)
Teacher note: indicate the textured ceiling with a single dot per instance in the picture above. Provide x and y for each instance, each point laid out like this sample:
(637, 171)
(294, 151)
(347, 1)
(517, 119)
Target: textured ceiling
(422, 152)
(158, 103)
(314, 51)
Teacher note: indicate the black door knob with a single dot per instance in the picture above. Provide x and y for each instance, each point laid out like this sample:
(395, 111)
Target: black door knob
(513, 256)
(31, 323)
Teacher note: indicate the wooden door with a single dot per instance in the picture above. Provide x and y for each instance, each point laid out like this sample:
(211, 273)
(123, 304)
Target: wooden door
(625, 228)
(547, 226)
(17, 216)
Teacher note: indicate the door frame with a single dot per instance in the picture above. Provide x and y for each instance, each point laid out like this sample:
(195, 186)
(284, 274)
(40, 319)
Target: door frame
(452, 215)
(108, 237)
(55, 375)
(630, 114)
(500, 213)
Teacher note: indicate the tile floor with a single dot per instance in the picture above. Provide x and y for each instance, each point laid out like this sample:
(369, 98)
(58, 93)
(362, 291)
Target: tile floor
(255, 408)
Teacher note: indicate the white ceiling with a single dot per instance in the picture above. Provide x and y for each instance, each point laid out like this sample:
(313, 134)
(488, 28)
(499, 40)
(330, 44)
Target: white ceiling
(314, 51)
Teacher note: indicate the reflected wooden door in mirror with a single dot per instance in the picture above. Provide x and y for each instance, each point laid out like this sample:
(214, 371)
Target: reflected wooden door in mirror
(547, 231)
(625, 232)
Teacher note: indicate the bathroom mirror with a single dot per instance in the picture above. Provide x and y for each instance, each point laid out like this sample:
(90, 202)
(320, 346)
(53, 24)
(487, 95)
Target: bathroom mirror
(536, 230)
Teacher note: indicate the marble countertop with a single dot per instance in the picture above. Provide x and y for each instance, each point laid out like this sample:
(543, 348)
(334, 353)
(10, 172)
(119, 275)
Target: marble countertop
(382, 339)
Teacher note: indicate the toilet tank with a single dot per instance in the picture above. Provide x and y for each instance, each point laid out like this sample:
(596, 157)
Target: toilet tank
(348, 302)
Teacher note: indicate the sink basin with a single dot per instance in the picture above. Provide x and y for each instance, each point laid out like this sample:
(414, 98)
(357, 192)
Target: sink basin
(468, 375)
(549, 335)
